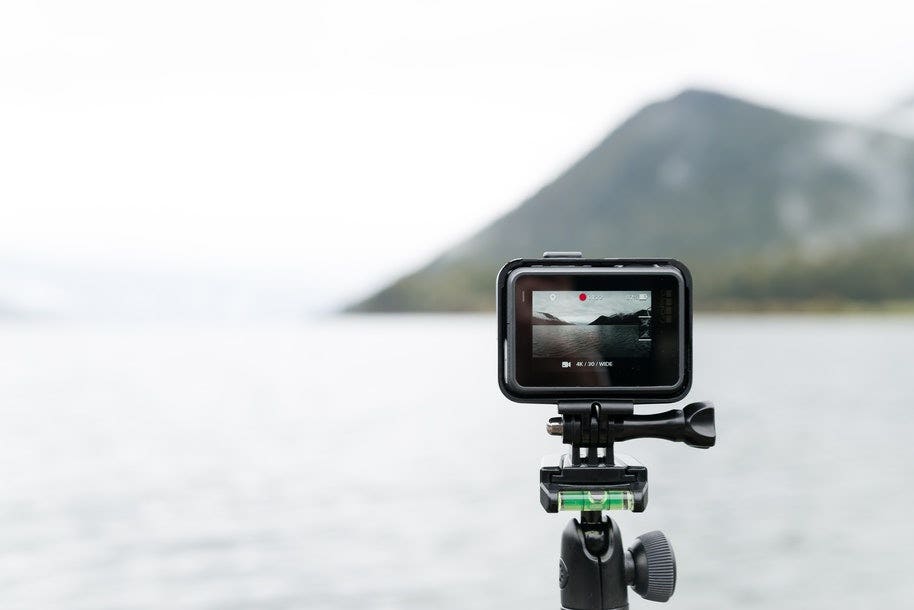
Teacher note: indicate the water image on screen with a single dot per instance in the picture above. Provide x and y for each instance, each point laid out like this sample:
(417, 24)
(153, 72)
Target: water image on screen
(595, 325)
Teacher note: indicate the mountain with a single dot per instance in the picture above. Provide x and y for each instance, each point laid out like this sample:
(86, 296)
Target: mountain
(621, 318)
(899, 118)
(541, 318)
(768, 208)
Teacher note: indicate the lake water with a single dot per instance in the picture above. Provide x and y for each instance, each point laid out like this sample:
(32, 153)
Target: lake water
(372, 463)
(587, 342)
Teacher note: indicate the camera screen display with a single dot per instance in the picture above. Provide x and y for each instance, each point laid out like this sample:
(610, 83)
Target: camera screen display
(597, 330)
(588, 329)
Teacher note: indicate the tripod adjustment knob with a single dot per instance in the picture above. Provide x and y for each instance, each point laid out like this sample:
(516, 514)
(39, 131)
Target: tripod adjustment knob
(651, 569)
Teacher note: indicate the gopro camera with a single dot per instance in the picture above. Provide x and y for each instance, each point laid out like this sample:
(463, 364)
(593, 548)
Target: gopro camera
(576, 329)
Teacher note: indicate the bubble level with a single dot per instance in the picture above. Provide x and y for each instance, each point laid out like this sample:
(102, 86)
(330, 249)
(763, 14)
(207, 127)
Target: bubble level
(609, 499)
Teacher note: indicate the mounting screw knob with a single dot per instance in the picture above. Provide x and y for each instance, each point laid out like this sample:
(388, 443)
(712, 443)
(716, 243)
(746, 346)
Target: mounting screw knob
(654, 573)
(699, 428)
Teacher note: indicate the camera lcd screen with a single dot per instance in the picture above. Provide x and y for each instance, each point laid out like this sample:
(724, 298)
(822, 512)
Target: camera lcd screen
(597, 330)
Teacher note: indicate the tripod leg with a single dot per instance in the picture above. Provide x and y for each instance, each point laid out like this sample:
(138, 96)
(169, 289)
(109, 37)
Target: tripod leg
(592, 565)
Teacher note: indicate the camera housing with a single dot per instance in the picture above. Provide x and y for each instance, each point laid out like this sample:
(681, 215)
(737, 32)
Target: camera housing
(608, 329)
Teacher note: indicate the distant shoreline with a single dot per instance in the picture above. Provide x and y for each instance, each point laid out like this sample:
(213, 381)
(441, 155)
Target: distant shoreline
(810, 307)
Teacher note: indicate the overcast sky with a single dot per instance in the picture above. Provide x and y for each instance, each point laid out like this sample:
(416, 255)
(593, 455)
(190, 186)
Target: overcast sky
(221, 135)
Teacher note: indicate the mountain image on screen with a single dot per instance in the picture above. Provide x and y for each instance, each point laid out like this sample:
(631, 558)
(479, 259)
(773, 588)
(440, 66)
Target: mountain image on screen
(542, 318)
(593, 326)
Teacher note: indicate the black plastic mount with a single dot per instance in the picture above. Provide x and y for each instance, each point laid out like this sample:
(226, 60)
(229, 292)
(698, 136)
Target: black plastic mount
(594, 569)
(561, 476)
(592, 428)
(596, 424)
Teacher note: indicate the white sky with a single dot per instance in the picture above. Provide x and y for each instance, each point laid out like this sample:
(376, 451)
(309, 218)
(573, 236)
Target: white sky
(221, 134)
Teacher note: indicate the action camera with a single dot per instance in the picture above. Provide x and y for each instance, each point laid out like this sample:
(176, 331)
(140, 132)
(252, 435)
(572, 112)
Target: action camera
(598, 336)
(572, 328)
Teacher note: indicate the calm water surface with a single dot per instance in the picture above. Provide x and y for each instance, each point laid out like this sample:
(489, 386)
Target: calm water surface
(586, 342)
(372, 463)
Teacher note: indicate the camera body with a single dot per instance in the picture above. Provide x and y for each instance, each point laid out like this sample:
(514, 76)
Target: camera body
(607, 329)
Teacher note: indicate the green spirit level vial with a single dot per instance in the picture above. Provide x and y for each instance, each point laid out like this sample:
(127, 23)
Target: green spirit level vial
(609, 499)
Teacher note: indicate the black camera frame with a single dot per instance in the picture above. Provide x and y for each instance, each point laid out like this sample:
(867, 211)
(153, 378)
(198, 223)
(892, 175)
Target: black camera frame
(553, 395)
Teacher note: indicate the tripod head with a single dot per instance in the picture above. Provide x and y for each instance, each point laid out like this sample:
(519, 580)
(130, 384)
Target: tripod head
(591, 476)
(594, 570)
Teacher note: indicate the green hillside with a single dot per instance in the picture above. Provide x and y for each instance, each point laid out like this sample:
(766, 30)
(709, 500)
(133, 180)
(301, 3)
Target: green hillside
(766, 207)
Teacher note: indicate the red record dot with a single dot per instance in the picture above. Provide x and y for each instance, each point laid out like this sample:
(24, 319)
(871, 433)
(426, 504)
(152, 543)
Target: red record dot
(582, 296)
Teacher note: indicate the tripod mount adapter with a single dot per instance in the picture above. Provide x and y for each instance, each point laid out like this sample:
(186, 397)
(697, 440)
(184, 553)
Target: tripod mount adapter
(594, 569)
